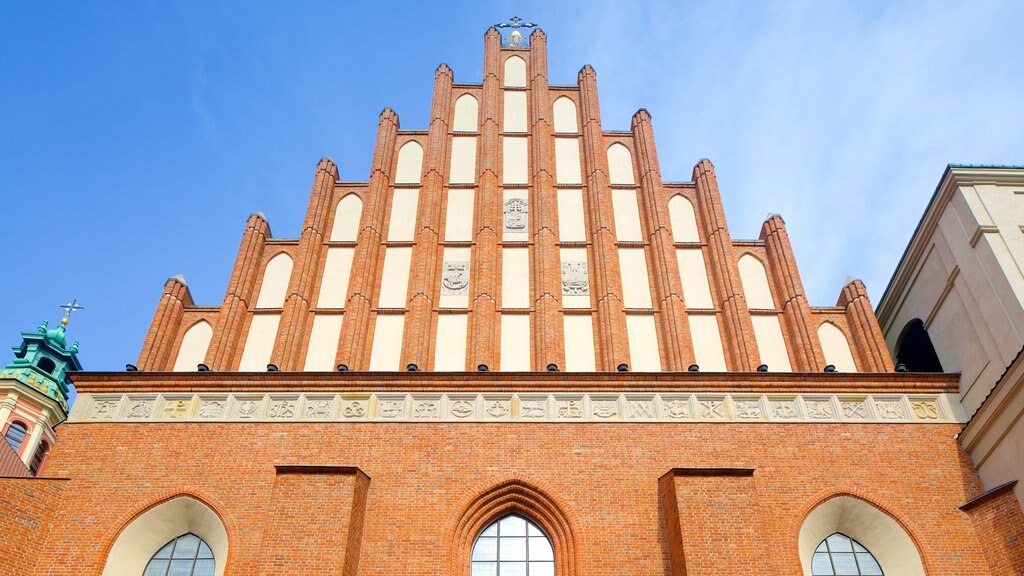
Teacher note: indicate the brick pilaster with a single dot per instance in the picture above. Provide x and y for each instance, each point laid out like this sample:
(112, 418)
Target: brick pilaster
(676, 343)
(354, 346)
(804, 349)
(612, 342)
(485, 271)
(548, 337)
(423, 283)
(163, 331)
(738, 331)
(865, 334)
(237, 299)
(296, 315)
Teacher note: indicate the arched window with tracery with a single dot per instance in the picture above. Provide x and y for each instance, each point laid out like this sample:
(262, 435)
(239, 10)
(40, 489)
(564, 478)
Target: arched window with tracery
(186, 555)
(15, 435)
(512, 546)
(841, 555)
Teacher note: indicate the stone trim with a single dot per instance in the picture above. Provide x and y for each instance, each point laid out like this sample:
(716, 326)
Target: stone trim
(601, 407)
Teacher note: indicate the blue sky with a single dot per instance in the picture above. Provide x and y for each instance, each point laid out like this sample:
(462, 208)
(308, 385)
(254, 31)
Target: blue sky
(135, 137)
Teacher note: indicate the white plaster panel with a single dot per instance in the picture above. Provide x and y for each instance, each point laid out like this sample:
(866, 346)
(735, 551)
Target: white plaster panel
(463, 168)
(567, 161)
(515, 111)
(515, 160)
(515, 278)
(636, 288)
(565, 115)
(627, 216)
(515, 342)
(403, 214)
(323, 343)
(707, 342)
(334, 284)
(410, 164)
(275, 282)
(259, 343)
(395, 280)
(386, 352)
(515, 72)
(755, 283)
(620, 165)
(450, 345)
(509, 235)
(694, 275)
(575, 300)
(346, 219)
(683, 220)
(770, 343)
(447, 298)
(149, 532)
(458, 224)
(579, 343)
(874, 529)
(836, 348)
(192, 351)
(643, 343)
(572, 226)
(466, 110)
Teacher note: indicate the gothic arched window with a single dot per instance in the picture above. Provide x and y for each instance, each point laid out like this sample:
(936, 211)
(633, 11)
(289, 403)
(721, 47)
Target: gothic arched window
(15, 435)
(37, 458)
(513, 546)
(186, 555)
(914, 348)
(839, 554)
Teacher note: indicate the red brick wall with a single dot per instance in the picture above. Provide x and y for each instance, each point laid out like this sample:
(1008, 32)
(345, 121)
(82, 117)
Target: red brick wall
(26, 506)
(604, 477)
(999, 523)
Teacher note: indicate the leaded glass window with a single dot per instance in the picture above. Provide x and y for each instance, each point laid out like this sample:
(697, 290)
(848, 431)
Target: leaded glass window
(15, 435)
(186, 555)
(840, 555)
(513, 546)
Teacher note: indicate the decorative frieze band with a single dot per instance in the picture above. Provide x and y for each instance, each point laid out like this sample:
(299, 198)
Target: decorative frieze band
(514, 407)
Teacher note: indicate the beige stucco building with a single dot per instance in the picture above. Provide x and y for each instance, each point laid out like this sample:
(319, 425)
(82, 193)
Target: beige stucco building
(956, 304)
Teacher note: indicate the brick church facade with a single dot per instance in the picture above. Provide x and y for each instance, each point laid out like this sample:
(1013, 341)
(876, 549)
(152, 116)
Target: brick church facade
(513, 350)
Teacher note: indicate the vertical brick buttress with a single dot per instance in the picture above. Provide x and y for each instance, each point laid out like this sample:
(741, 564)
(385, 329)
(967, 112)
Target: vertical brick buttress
(738, 331)
(804, 349)
(867, 339)
(296, 315)
(485, 269)
(612, 344)
(667, 288)
(548, 337)
(163, 331)
(423, 277)
(238, 296)
(354, 346)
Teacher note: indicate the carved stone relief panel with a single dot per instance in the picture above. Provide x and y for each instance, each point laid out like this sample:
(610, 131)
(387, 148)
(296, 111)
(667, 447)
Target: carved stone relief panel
(575, 279)
(677, 407)
(105, 409)
(497, 407)
(319, 408)
(748, 408)
(785, 409)
(711, 409)
(924, 409)
(355, 408)
(248, 407)
(455, 279)
(533, 407)
(854, 408)
(140, 408)
(640, 407)
(176, 407)
(426, 408)
(819, 408)
(569, 408)
(283, 408)
(462, 407)
(890, 409)
(516, 215)
(211, 408)
(391, 407)
(604, 407)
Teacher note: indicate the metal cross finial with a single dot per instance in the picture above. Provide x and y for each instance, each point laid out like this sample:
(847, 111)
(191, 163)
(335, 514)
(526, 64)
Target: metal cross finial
(68, 309)
(516, 37)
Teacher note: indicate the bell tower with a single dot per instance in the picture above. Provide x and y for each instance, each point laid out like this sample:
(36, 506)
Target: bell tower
(34, 395)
